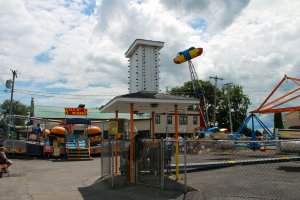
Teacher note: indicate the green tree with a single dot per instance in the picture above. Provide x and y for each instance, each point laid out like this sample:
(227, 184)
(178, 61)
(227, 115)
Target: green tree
(239, 102)
(187, 91)
(17, 109)
(239, 106)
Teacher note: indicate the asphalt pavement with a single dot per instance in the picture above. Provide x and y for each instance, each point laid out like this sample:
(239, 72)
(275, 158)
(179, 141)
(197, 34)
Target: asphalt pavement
(37, 179)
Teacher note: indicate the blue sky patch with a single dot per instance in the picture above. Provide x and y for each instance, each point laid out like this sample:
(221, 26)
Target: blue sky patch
(89, 8)
(199, 23)
(43, 58)
(105, 85)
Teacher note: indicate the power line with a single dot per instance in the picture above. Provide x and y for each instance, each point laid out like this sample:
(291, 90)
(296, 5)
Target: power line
(3, 82)
(63, 97)
(65, 94)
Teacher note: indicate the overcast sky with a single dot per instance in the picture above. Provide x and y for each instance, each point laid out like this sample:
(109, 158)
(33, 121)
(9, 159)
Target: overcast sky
(70, 52)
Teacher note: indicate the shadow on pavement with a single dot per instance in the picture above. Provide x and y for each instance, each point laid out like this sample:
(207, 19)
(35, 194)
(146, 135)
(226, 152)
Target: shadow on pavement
(102, 189)
(289, 168)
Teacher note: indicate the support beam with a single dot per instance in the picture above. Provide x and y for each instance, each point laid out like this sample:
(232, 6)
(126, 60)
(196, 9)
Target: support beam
(131, 170)
(153, 125)
(117, 115)
(176, 142)
(116, 144)
(277, 86)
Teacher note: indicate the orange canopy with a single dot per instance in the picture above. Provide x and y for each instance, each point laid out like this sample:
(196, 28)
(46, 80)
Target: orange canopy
(46, 132)
(58, 130)
(92, 130)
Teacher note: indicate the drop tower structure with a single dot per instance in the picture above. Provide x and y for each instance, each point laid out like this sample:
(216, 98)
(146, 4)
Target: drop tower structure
(144, 63)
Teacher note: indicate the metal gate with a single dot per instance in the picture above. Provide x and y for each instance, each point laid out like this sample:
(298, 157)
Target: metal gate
(106, 154)
(148, 162)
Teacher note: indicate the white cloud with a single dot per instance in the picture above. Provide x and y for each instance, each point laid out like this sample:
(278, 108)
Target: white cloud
(250, 43)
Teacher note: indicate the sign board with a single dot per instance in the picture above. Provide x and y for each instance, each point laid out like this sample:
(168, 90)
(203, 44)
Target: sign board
(76, 111)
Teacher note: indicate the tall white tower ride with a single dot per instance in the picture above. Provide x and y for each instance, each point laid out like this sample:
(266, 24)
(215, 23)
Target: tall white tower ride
(144, 65)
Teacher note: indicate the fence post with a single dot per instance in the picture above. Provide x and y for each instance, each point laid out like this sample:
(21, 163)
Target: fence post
(112, 164)
(116, 157)
(185, 181)
(101, 159)
(162, 164)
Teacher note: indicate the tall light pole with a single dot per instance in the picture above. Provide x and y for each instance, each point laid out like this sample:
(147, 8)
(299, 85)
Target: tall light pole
(228, 87)
(12, 91)
(215, 94)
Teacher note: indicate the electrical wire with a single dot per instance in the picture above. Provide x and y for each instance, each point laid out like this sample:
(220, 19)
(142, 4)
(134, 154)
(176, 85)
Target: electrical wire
(63, 97)
(66, 94)
(3, 82)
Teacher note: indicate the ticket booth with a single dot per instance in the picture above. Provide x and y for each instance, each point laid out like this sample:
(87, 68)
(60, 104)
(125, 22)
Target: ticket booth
(117, 130)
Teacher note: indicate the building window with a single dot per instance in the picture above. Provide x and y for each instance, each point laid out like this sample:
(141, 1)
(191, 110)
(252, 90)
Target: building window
(195, 120)
(183, 120)
(169, 119)
(157, 119)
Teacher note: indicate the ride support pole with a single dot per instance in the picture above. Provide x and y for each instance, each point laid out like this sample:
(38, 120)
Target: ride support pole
(78, 149)
(116, 157)
(89, 146)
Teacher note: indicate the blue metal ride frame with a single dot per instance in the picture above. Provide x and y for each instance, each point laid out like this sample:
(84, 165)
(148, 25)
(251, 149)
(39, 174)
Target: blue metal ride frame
(252, 116)
(237, 135)
(271, 136)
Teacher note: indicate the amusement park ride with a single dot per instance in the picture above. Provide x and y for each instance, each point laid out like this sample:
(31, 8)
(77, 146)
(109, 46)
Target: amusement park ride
(272, 106)
(58, 137)
(188, 55)
(267, 106)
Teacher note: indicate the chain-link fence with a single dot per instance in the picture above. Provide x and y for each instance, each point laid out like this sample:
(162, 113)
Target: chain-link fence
(214, 169)
(106, 149)
(234, 169)
(148, 162)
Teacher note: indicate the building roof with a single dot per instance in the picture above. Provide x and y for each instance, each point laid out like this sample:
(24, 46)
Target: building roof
(50, 112)
(147, 102)
(138, 42)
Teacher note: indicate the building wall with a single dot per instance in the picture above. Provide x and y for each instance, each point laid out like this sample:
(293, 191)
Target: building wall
(183, 129)
(292, 119)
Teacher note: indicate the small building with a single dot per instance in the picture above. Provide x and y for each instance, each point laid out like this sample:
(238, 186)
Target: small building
(164, 121)
(292, 119)
(162, 109)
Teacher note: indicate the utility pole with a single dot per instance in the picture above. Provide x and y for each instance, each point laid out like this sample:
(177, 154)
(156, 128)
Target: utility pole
(14, 72)
(228, 87)
(215, 95)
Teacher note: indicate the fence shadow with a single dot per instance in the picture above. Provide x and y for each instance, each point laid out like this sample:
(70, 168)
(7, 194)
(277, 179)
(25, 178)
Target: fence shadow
(289, 168)
(102, 189)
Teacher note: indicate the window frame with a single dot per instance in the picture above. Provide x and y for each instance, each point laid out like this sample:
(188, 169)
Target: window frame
(183, 120)
(195, 120)
(169, 119)
(157, 119)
